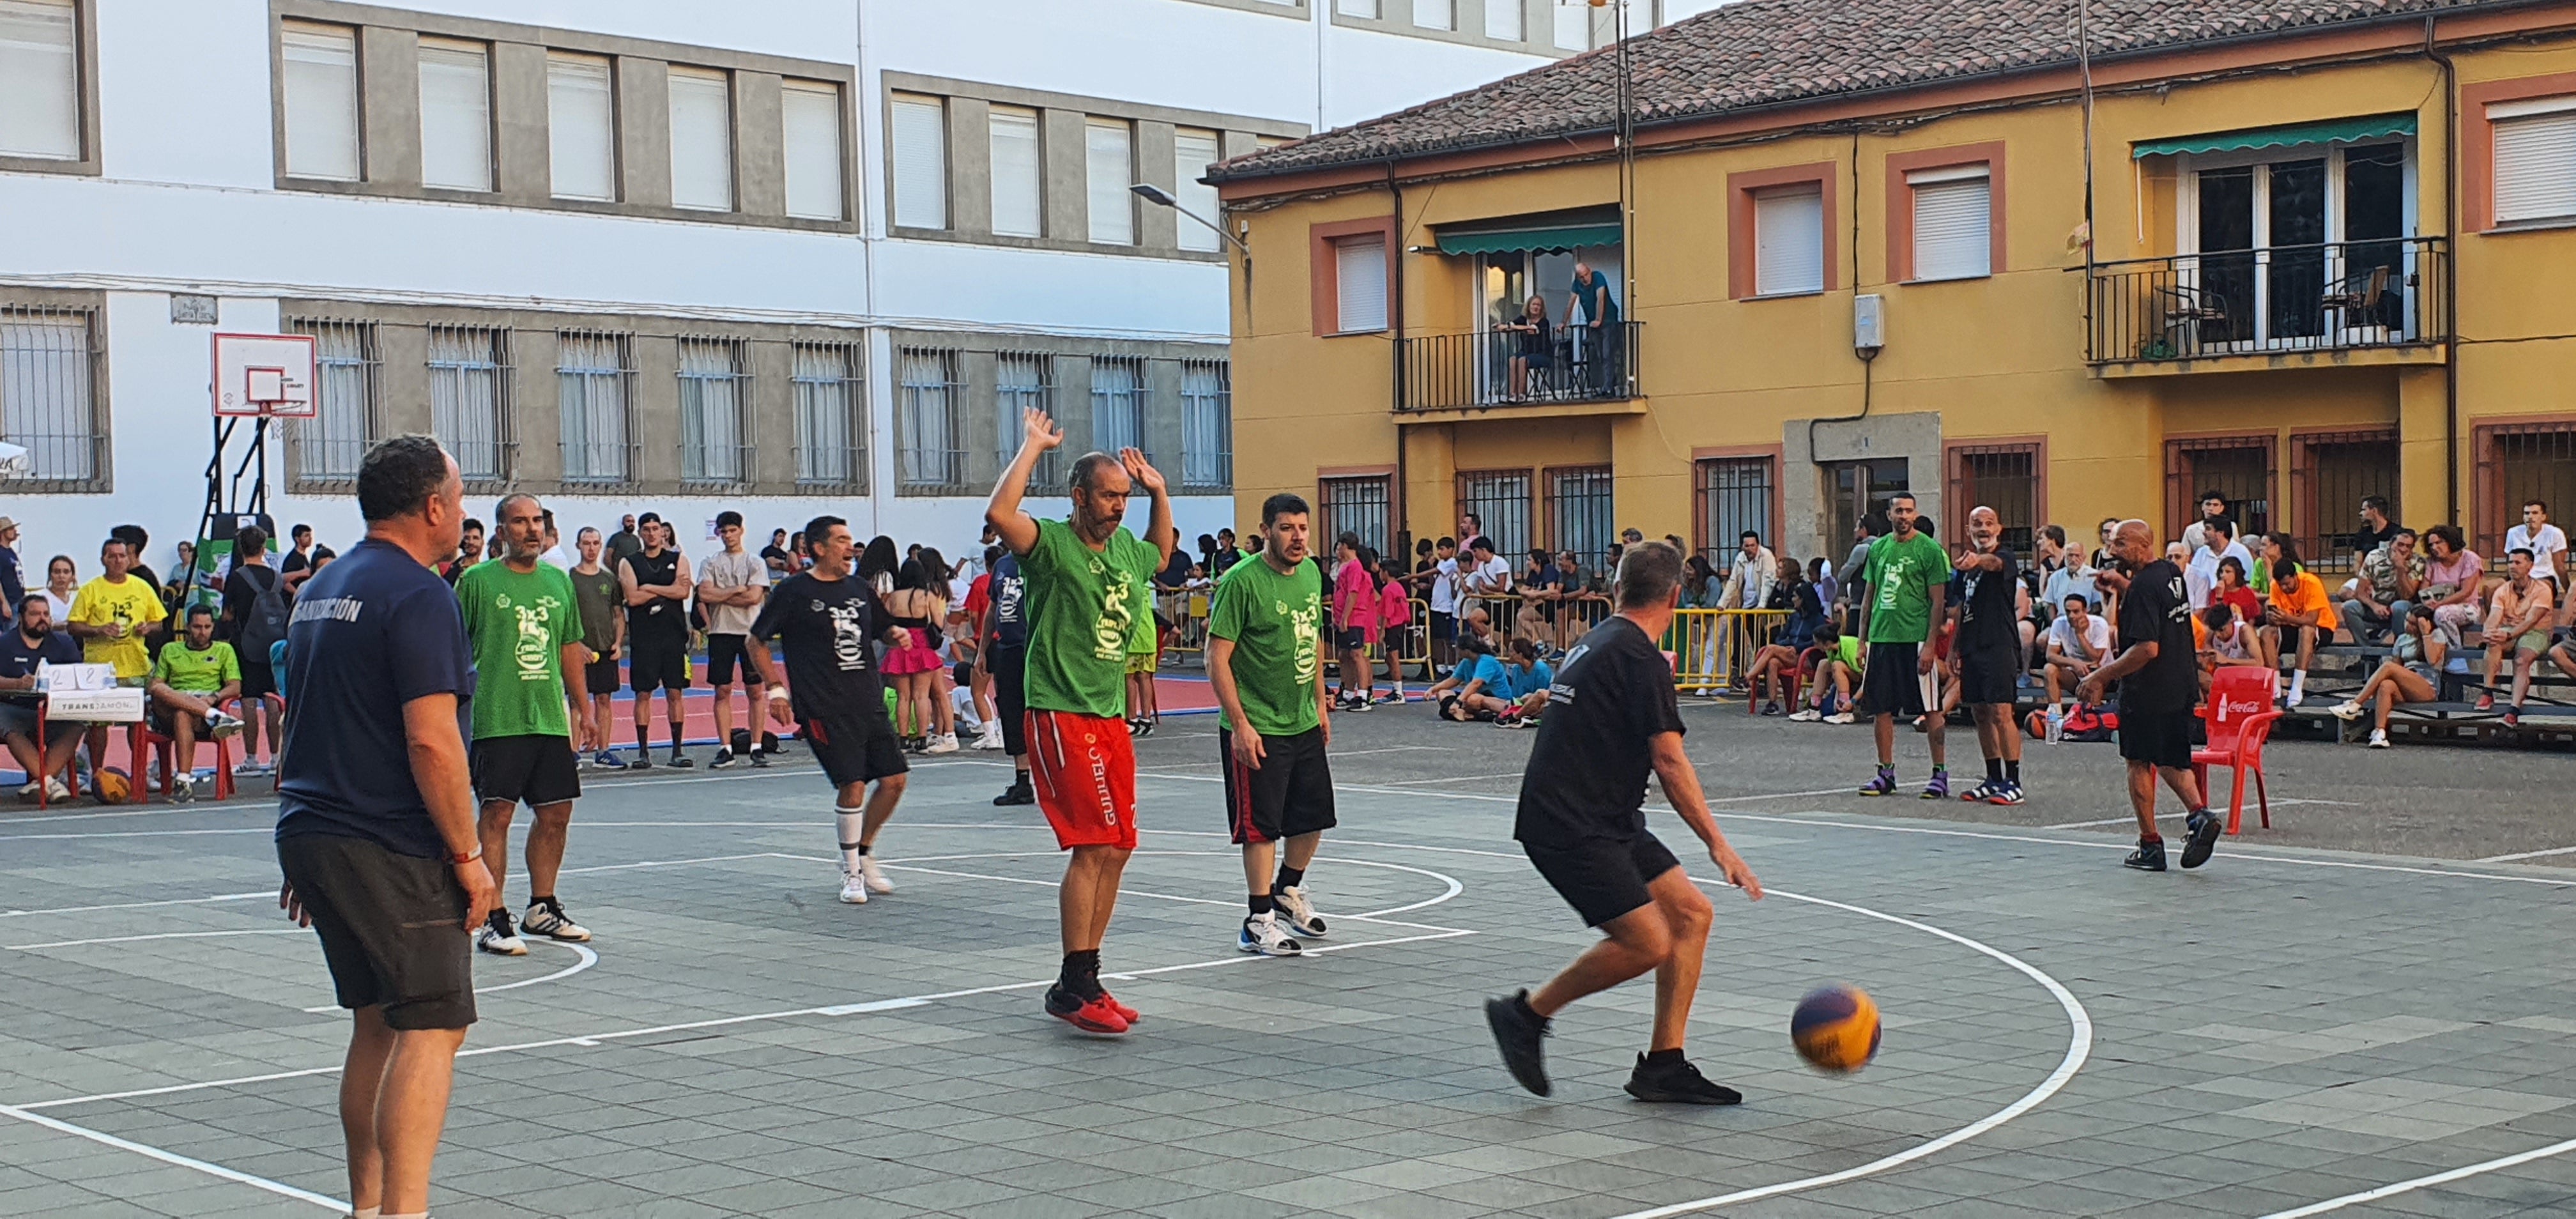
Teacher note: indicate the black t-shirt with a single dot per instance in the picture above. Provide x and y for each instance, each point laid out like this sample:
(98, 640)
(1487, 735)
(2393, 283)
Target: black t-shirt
(2366, 539)
(660, 620)
(1986, 606)
(778, 559)
(244, 586)
(1009, 591)
(1586, 777)
(18, 657)
(827, 626)
(2157, 608)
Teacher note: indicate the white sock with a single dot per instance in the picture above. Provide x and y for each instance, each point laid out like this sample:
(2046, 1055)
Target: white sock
(413, 1215)
(2298, 686)
(850, 822)
(367, 1212)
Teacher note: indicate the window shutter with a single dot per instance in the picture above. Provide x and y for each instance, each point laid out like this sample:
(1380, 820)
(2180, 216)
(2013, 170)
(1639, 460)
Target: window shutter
(581, 128)
(810, 115)
(455, 115)
(1435, 14)
(2535, 167)
(1110, 168)
(701, 140)
(1953, 224)
(39, 80)
(1019, 209)
(1356, 8)
(1573, 27)
(1359, 284)
(321, 102)
(1789, 241)
(920, 163)
(1192, 153)
(1503, 20)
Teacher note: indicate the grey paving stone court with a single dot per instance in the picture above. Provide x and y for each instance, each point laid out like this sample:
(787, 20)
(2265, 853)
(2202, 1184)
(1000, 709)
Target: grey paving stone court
(2288, 1028)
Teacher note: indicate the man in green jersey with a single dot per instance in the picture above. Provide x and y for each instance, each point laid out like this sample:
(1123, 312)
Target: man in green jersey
(1086, 579)
(1265, 658)
(1903, 584)
(193, 675)
(523, 620)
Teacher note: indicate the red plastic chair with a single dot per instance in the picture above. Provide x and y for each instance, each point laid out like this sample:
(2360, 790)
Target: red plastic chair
(2239, 715)
(163, 747)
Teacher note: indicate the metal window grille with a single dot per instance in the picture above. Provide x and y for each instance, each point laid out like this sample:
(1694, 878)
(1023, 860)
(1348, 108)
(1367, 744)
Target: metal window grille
(329, 446)
(715, 402)
(2329, 475)
(469, 399)
(1501, 501)
(930, 453)
(2239, 468)
(1026, 382)
(1735, 494)
(1207, 424)
(1117, 404)
(2004, 477)
(1578, 513)
(831, 438)
(48, 367)
(1354, 505)
(594, 377)
(2518, 463)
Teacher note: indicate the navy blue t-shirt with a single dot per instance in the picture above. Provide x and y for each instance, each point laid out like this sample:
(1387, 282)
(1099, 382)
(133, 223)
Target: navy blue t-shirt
(372, 632)
(18, 658)
(1010, 592)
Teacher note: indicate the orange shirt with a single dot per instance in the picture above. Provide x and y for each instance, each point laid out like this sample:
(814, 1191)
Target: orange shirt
(2305, 595)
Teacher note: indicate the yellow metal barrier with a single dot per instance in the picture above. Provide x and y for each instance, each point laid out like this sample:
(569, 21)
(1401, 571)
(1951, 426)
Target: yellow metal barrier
(1187, 610)
(1713, 649)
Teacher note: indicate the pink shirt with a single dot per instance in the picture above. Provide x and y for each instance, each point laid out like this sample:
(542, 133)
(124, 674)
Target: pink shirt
(1394, 606)
(1354, 596)
(2463, 571)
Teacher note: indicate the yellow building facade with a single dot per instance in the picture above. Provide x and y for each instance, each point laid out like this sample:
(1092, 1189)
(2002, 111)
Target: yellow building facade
(2329, 263)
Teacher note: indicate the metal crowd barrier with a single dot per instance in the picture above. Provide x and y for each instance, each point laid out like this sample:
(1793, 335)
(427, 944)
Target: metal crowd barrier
(1713, 649)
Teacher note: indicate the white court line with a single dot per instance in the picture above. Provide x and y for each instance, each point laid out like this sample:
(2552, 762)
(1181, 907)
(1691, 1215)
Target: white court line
(587, 958)
(2526, 855)
(166, 935)
(176, 901)
(2440, 1178)
(171, 1157)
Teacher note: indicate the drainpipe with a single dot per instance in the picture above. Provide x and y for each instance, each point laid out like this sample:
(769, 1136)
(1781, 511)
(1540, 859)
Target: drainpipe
(1395, 316)
(2450, 271)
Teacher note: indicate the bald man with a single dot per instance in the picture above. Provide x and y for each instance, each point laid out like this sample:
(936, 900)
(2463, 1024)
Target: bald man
(2159, 680)
(1989, 651)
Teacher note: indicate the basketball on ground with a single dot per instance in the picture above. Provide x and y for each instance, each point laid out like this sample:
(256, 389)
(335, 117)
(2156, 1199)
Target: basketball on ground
(1835, 1029)
(113, 787)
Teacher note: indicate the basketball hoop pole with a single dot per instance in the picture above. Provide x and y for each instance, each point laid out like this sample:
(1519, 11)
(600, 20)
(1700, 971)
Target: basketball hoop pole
(224, 497)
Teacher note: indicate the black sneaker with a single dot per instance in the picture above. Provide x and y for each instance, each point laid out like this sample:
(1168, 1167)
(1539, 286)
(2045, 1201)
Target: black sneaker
(681, 760)
(2203, 827)
(2149, 857)
(760, 758)
(723, 758)
(1518, 1032)
(1678, 1082)
(1017, 793)
(643, 760)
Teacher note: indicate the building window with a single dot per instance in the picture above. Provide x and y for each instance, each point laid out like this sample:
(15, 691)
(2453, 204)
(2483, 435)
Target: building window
(1578, 513)
(2241, 469)
(928, 423)
(469, 400)
(1353, 505)
(1117, 404)
(1953, 222)
(1207, 424)
(1019, 195)
(1789, 240)
(1026, 382)
(1109, 166)
(581, 127)
(1359, 284)
(920, 162)
(1736, 494)
(2535, 160)
(715, 388)
(701, 140)
(46, 398)
(40, 80)
(810, 112)
(1192, 153)
(321, 101)
(1501, 501)
(328, 446)
(2330, 473)
(2519, 463)
(1574, 33)
(455, 114)
(592, 373)
(1503, 20)
(2004, 477)
(1435, 14)
(1356, 8)
(829, 433)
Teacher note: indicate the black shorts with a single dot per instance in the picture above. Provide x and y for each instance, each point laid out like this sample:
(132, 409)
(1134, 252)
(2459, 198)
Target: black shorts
(1890, 686)
(392, 928)
(599, 677)
(1603, 878)
(258, 680)
(1990, 675)
(724, 655)
(19, 719)
(535, 770)
(1291, 794)
(1010, 697)
(1444, 626)
(658, 666)
(2159, 738)
(166, 721)
(859, 748)
(1350, 638)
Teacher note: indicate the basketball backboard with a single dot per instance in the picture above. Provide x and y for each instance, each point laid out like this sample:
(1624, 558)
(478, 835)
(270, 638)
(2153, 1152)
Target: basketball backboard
(264, 374)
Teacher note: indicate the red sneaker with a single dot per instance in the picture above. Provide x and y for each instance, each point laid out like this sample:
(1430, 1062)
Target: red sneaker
(1090, 1015)
(1125, 1012)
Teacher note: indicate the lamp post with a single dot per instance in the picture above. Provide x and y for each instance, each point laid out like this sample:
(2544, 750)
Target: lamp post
(1159, 197)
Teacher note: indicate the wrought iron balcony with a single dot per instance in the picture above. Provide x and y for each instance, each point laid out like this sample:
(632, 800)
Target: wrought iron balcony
(2341, 296)
(1494, 368)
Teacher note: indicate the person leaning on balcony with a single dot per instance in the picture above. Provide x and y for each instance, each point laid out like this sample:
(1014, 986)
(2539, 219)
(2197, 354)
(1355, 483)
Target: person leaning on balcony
(1601, 320)
(2385, 588)
(1534, 350)
(2453, 575)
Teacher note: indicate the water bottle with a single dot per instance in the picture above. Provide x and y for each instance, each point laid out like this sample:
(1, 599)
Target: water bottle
(2056, 725)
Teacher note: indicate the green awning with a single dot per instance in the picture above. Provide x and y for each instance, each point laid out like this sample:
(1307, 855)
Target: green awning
(2333, 131)
(1546, 232)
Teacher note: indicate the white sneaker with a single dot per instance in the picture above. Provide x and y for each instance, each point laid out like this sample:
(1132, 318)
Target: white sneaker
(31, 791)
(2378, 738)
(1298, 912)
(875, 876)
(2345, 710)
(548, 919)
(1261, 934)
(222, 727)
(945, 742)
(1806, 715)
(854, 888)
(54, 789)
(497, 939)
(990, 738)
(247, 768)
(1839, 718)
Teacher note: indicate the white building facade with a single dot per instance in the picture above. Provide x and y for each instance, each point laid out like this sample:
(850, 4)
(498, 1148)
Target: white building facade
(791, 258)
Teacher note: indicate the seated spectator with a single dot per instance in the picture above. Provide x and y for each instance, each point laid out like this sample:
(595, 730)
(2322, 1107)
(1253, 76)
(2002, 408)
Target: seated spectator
(2078, 643)
(2300, 613)
(1462, 676)
(34, 641)
(2072, 579)
(193, 674)
(2426, 652)
(1831, 667)
(2453, 574)
(1700, 583)
(1789, 647)
(2221, 638)
(2233, 588)
(1514, 689)
(2384, 589)
(2517, 626)
(1534, 618)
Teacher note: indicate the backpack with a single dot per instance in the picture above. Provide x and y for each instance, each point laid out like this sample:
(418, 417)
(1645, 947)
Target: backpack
(264, 623)
(2090, 724)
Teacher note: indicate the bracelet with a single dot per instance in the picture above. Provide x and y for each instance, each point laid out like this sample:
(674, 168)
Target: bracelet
(778, 693)
(456, 860)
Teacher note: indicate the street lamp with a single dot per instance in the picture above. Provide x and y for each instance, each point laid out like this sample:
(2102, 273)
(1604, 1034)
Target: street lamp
(1162, 198)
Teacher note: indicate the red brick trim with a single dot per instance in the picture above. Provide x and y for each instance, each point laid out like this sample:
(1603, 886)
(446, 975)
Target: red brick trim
(1900, 201)
(1739, 219)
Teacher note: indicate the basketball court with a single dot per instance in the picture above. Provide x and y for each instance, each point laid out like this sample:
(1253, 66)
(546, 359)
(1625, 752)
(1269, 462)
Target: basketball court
(2287, 1032)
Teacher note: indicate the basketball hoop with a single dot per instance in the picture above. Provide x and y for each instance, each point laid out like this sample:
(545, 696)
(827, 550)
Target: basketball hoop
(268, 376)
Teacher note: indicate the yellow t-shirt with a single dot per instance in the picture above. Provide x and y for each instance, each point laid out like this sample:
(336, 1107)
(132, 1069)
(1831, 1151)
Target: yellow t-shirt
(132, 602)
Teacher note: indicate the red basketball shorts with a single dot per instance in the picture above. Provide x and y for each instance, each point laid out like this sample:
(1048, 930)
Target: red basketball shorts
(1084, 768)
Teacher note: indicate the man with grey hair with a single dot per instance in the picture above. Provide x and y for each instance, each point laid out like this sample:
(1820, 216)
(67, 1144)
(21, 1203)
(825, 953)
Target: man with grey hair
(1612, 720)
(2159, 677)
(1988, 648)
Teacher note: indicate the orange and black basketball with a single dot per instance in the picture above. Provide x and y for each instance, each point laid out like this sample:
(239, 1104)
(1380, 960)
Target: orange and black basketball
(1835, 1029)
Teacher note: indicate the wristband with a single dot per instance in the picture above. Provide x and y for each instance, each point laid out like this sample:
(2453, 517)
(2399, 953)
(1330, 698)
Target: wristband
(460, 860)
(778, 693)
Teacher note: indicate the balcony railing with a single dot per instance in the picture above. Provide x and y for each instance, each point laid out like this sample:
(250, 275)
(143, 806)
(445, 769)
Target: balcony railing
(1490, 368)
(2341, 296)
